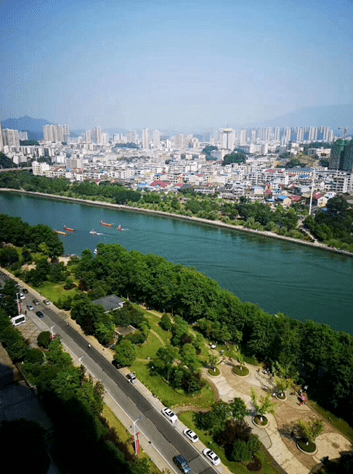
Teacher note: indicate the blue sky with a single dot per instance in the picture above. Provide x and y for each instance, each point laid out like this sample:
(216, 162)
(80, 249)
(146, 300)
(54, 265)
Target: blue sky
(173, 64)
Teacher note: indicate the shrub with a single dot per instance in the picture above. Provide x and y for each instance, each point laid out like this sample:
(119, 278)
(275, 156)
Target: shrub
(44, 339)
(34, 356)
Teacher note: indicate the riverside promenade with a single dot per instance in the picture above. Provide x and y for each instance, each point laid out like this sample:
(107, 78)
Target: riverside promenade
(277, 436)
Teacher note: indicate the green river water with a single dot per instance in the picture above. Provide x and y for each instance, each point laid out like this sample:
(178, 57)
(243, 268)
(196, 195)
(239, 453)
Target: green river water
(302, 282)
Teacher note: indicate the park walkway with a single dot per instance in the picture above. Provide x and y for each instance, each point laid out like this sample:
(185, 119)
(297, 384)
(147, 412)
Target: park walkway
(276, 437)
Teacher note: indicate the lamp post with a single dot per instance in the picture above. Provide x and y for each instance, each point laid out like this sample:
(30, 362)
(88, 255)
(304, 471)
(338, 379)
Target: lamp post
(135, 436)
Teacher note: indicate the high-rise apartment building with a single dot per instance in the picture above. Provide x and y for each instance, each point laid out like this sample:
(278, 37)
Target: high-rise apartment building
(243, 137)
(88, 136)
(342, 155)
(96, 134)
(145, 138)
(313, 134)
(300, 131)
(53, 133)
(10, 138)
(227, 139)
(156, 139)
(66, 133)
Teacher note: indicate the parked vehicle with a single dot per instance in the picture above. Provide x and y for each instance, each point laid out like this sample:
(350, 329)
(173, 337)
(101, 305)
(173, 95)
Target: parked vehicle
(30, 307)
(17, 320)
(47, 302)
(35, 301)
(191, 435)
(168, 413)
(211, 456)
(40, 314)
(131, 378)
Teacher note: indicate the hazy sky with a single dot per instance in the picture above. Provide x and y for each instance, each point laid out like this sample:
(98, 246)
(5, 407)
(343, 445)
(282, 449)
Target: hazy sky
(172, 64)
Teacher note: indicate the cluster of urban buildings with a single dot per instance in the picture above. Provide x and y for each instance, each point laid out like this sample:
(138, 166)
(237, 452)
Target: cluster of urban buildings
(166, 164)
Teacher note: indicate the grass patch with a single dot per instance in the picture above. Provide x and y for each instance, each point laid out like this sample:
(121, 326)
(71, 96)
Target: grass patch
(214, 372)
(149, 348)
(242, 371)
(125, 437)
(54, 291)
(235, 467)
(338, 423)
(307, 448)
(167, 394)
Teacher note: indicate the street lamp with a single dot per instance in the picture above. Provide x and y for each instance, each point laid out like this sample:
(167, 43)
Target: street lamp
(51, 329)
(135, 437)
(82, 357)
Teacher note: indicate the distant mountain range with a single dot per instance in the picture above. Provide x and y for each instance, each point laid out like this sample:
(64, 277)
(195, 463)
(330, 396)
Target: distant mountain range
(333, 116)
(34, 127)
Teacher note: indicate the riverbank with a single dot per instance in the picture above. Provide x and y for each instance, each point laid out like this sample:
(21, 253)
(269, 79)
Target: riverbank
(215, 223)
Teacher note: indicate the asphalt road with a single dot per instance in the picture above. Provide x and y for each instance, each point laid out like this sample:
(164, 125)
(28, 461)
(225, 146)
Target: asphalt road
(159, 431)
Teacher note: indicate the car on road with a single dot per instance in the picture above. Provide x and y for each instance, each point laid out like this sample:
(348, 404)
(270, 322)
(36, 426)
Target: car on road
(21, 296)
(25, 291)
(131, 378)
(191, 435)
(40, 314)
(182, 463)
(35, 301)
(211, 456)
(30, 307)
(168, 413)
(47, 302)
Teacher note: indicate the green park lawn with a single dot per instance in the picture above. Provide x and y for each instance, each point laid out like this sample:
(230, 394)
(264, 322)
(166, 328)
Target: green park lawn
(54, 291)
(236, 467)
(166, 394)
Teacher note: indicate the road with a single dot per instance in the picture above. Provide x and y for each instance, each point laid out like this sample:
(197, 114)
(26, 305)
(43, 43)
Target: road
(158, 430)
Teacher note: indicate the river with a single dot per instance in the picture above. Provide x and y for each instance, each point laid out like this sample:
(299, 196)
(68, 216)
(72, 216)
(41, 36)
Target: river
(302, 282)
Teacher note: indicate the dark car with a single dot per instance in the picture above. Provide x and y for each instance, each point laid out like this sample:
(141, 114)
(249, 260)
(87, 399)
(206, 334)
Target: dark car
(25, 291)
(40, 314)
(182, 463)
(35, 302)
(131, 378)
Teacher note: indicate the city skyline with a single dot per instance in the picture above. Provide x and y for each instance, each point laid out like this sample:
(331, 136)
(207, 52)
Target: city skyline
(173, 66)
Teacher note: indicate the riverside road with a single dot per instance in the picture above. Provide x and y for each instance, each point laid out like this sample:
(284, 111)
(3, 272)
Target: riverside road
(161, 434)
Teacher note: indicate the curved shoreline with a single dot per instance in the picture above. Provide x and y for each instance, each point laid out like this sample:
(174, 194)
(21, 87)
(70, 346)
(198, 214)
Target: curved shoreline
(169, 215)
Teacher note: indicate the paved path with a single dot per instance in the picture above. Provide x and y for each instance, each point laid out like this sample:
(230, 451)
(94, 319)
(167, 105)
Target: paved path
(329, 444)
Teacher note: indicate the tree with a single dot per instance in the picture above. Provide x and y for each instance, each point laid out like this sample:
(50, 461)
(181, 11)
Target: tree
(311, 429)
(125, 353)
(241, 452)
(263, 404)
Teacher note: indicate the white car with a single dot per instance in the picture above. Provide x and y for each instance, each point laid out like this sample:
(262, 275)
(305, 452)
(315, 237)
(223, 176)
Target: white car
(21, 296)
(211, 456)
(191, 435)
(168, 413)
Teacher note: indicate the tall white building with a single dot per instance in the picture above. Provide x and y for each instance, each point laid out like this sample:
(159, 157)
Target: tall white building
(96, 134)
(227, 139)
(53, 133)
(313, 134)
(10, 138)
(300, 134)
(156, 139)
(88, 136)
(243, 137)
(145, 138)
(66, 133)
